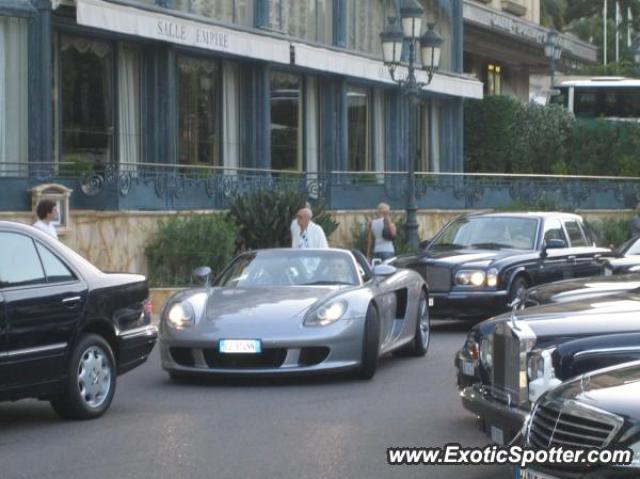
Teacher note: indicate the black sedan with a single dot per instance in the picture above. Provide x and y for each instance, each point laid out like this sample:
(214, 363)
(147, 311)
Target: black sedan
(530, 351)
(66, 328)
(599, 410)
(626, 258)
(477, 264)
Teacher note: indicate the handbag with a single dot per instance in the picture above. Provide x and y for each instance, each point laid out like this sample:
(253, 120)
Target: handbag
(386, 231)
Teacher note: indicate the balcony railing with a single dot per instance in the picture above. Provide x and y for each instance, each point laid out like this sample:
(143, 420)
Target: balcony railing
(154, 186)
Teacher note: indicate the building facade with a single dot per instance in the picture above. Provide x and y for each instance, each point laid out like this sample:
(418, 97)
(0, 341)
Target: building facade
(504, 48)
(151, 97)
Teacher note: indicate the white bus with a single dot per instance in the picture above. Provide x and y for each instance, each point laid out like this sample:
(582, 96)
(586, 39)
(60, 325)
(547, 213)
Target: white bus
(612, 98)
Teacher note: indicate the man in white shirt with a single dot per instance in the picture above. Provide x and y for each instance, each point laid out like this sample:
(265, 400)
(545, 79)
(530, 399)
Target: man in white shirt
(308, 234)
(47, 212)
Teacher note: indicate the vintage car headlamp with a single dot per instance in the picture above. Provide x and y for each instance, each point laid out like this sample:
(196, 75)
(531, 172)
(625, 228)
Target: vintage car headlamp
(472, 347)
(492, 278)
(327, 314)
(470, 277)
(542, 375)
(181, 315)
(486, 352)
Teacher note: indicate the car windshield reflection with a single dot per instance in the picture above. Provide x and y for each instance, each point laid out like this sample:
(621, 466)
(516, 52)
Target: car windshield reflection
(290, 268)
(488, 233)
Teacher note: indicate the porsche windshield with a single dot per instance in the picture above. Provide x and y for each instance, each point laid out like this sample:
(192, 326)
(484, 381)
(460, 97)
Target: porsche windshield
(488, 232)
(290, 268)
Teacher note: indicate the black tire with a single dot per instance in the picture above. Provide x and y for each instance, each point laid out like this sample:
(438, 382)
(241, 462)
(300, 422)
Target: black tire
(370, 344)
(519, 284)
(420, 343)
(88, 401)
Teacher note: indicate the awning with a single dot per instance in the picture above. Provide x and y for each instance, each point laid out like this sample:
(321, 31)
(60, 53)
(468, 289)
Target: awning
(342, 63)
(157, 26)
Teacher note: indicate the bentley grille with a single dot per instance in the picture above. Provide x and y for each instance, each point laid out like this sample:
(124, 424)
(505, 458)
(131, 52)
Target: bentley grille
(439, 279)
(506, 366)
(572, 425)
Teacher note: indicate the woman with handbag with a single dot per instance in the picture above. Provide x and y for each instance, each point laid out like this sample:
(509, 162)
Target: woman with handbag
(381, 233)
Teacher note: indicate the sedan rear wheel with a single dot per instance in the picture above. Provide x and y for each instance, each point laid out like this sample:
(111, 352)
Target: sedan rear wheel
(91, 380)
(370, 344)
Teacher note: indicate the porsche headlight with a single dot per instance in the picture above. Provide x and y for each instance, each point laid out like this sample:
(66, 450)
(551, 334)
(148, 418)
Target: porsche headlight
(327, 314)
(470, 278)
(486, 352)
(181, 315)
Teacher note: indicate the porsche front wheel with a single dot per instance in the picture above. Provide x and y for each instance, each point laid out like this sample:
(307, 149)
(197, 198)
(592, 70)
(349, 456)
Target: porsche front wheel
(370, 344)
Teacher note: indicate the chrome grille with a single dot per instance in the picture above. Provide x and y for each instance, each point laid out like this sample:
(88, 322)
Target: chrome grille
(506, 366)
(571, 424)
(439, 279)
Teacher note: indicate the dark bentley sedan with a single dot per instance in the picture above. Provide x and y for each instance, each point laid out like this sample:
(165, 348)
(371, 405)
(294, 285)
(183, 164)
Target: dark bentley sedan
(598, 410)
(626, 258)
(527, 352)
(66, 328)
(477, 264)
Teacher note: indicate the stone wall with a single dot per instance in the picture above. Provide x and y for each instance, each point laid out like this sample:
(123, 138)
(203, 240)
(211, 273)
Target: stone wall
(115, 241)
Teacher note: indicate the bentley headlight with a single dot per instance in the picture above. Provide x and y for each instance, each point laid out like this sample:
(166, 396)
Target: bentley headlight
(492, 278)
(486, 352)
(327, 314)
(470, 278)
(181, 315)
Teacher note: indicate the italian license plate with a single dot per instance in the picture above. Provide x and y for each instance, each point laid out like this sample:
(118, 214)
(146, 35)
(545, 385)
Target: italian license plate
(468, 368)
(531, 474)
(240, 346)
(497, 435)
(430, 302)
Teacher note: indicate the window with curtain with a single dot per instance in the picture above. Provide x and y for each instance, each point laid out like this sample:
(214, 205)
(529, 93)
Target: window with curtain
(307, 19)
(239, 12)
(286, 121)
(365, 22)
(129, 107)
(231, 147)
(493, 85)
(86, 93)
(13, 96)
(358, 124)
(198, 112)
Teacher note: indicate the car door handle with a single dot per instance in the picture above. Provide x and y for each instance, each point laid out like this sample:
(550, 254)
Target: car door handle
(72, 301)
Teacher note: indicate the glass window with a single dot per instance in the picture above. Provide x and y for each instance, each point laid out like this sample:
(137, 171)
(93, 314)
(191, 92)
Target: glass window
(489, 232)
(13, 96)
(494, 79)
(553, 230)
(87, 95)
(19, 261)
(286, 121)
(239, 12)
(575, 233)
(358, 103)
(54, 269)
(129, 106)
(308, 19)
(365, 22)
(198, 112)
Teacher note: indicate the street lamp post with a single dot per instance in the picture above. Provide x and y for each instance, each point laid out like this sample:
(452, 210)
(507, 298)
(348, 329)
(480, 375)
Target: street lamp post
(553, 51)
(393, 40)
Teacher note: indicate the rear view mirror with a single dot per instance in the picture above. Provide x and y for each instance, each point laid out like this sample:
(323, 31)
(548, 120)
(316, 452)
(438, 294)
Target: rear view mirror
(553, 244)
(202, 274)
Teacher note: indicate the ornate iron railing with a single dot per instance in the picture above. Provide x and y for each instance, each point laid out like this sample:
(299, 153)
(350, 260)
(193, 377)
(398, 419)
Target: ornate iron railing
(162, 186)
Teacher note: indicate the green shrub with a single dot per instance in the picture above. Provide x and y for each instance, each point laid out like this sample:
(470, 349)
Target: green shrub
(183, 244)
(611, 231)
(359, 236)
(264, 217)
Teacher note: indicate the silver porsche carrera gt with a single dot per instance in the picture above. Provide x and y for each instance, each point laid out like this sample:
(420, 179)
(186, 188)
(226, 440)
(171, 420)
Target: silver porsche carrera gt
(300, 311)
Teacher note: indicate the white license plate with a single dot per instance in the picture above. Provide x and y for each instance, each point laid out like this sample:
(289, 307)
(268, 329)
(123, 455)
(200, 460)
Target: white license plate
(531, 474)
(430, 302)
(240, 346)
(497, 435)
(468, 368)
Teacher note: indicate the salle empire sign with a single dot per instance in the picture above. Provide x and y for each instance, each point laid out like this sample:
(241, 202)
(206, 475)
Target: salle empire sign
(192, 35)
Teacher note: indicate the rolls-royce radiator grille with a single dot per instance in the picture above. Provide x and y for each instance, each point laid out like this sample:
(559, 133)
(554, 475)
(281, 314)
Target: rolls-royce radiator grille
(575, 426)
(506, 367)
(439, 279)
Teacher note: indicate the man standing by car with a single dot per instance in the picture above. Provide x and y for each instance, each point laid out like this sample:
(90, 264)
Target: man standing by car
(310, 234)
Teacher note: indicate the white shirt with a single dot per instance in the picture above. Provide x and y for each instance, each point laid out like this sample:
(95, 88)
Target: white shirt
(47, 228)
(312, 237)
(381, 245)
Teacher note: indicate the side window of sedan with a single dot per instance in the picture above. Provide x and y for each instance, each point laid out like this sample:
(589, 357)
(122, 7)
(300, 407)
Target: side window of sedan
(553, 230)
(576, 236)
(54, 269)
(19, 261)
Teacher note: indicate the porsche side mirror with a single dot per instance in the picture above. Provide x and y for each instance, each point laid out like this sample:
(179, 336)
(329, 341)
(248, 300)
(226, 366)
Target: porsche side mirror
(384, 270)
(202, 274)
(552, 244)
